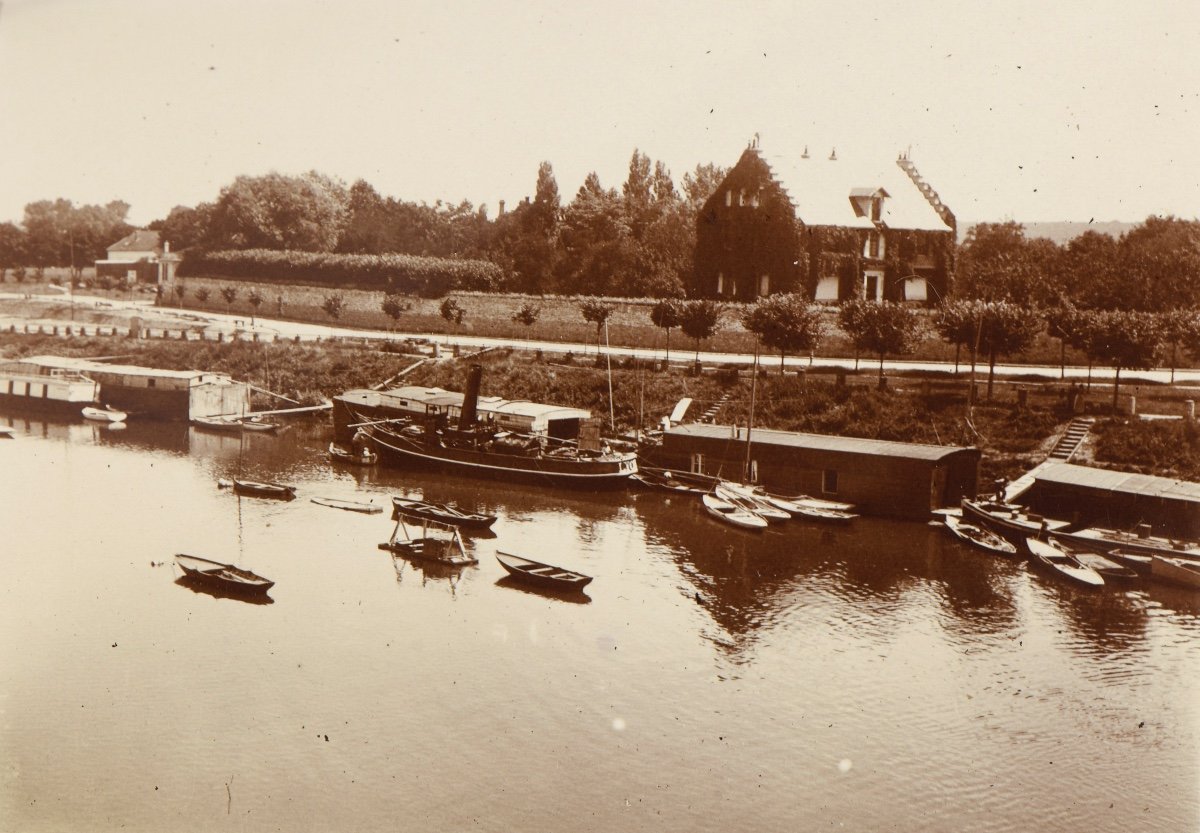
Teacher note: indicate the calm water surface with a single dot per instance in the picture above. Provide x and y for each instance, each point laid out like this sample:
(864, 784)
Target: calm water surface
(881, 677)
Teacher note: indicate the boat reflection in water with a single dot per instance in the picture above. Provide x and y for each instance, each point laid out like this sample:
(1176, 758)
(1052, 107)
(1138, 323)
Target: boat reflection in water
(205, 589)
(575, 597)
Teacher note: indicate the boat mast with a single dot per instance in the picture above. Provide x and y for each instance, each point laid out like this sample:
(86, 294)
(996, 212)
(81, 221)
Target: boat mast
(612, 421)
(750, 418)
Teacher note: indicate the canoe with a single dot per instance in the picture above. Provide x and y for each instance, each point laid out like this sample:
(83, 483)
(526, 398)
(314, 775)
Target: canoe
(1109, 568)
(255, 488)
(234, 425)
(543, 575)
(340, 455)
(979, 537)
(732, 514)
(225, 576)
(104, 414)
(1056, 558)
(348, 505)
(1176, 571)
(759, 507)
(440, 512)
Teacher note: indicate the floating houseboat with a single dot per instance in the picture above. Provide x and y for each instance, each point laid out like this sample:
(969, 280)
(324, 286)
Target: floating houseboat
(147, 391)
(28, 385)
(880, 477)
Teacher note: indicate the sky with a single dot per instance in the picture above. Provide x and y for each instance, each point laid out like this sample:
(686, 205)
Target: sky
(1026, 111)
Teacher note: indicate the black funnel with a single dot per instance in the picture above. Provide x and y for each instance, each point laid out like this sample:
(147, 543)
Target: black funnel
(469, 415)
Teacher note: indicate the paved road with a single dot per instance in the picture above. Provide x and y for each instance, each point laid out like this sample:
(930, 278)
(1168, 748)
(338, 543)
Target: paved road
(306, 331)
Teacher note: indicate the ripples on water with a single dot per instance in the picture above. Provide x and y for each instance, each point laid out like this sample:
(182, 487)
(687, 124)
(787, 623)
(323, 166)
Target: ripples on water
(876, 677)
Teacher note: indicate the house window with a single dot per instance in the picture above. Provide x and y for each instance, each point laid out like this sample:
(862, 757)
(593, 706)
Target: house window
(874, 247)
(720, 283)
(829, 482)
(697, 464)
(733, 287)
(150, 383)
(764, 285)
(728, 198)
(742, 197)
(754, 200)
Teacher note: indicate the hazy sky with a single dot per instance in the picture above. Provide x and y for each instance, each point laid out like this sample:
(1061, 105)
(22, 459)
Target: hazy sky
(1028, 111)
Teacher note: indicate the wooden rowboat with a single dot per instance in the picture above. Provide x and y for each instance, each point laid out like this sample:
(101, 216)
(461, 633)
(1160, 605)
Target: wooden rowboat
(254, 488)
(732, 514)
(977, 536)
(440, 512)
(348, 505)
(1180, 571)
(1055, 557)
(759, 507)
(543, 575)
(1109, 568)
(224, 576)
(340, 455)
(235, 425)
(104, 414)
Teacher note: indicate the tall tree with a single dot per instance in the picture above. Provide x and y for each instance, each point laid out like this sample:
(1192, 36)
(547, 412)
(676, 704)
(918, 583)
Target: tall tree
(596, 312)
(1006, 328)
(305, 213)
(996, 262)
(1125, 341)
(700, 319)
(882, 328)
(595, 252)
(786, 322)
(666, 315)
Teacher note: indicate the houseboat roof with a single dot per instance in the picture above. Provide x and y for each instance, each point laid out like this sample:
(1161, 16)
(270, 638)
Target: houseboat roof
(1119, 482)
(820, 442)
(823, 191)
(86, 366)
(440, 398)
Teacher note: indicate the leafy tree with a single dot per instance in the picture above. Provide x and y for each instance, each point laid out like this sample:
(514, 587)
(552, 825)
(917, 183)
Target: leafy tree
(202, 294)
(882, 328)
(786, 322)
(19, 274)
(596, 252)
(305, 213)
(255, 298)
(701, 184)
(596, 312)
(700, 319)
(1179, 328)
(12, 247)
(1160, 263)
(229, 293)
(452, 312)
(179, 290)
(1005, 328)
(185, 227)
(955, 323)
(1124, 341)
(997, 262)
(59, 233)
(527, 314)
(666, 315)
(333, 305)
(394, 306)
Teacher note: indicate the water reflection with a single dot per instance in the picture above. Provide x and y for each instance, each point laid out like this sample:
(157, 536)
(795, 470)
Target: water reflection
(577, 597)
(205, 589)
(428, 572)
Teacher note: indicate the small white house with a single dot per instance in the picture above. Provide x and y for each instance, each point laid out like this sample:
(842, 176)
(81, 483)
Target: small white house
(139, 257)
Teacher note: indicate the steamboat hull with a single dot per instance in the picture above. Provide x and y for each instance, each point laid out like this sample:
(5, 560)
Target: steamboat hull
(545, 470)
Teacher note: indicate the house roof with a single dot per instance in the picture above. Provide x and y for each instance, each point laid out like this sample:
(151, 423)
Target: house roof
(821, 190)
(1119, 482)
(820, 442)
(141, 240)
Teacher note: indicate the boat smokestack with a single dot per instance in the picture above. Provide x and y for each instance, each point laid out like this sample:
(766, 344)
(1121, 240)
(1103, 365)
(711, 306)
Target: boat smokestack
(467, 418)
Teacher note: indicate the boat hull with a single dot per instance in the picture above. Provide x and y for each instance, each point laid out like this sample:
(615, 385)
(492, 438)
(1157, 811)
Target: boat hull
(546, 576)
(253, 488)
(1061, 563)
(1178, 571)
(225, 577)
(542, 469)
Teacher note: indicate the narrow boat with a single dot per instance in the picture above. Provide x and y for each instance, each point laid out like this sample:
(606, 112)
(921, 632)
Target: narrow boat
(234, 425)
(1135, 561)
(758, 507)
(254, 488)
(730, 513)
(1013, 522)
(104, 414)
(440, 512)
(224, 576)
(1101, 539)
(348, 505)
(1180, 571)
(543, 575)
(666, 479)
(1055, 557)
(799, 504)
(431, 541)
(977, 536)
(340, 455)
(1109, 568)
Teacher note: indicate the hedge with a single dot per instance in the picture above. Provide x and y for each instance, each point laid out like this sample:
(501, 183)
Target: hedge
(430, 277)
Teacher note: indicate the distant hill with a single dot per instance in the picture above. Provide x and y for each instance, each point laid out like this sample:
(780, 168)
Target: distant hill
(1063, 232)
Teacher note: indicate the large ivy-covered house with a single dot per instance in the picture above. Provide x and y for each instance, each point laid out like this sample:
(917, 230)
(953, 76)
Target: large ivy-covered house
(829, 227)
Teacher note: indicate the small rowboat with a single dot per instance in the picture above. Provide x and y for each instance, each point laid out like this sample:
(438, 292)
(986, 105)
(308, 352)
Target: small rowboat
(348, 505)
(1181, 571)
(543, 575)
(759, 507)
(979, 537)
(674, 481)
(225, 576)
(254, 488)
(1110, 568)
(340, 455)
(104, 414)
(732, 514)
(1055, 557)
(440, 512)
(235, 425)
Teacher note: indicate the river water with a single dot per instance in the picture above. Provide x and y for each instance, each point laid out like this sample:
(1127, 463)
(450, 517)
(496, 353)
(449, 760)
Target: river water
(880, 677)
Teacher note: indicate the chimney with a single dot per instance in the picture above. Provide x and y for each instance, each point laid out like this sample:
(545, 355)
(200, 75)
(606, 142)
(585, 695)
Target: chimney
(166, 247)
(805, 154)
(501, 209)
(467, 418)
(833, 155)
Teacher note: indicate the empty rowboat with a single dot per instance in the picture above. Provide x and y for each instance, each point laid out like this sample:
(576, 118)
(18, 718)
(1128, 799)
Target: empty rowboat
(224, 576)
(542, 575)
